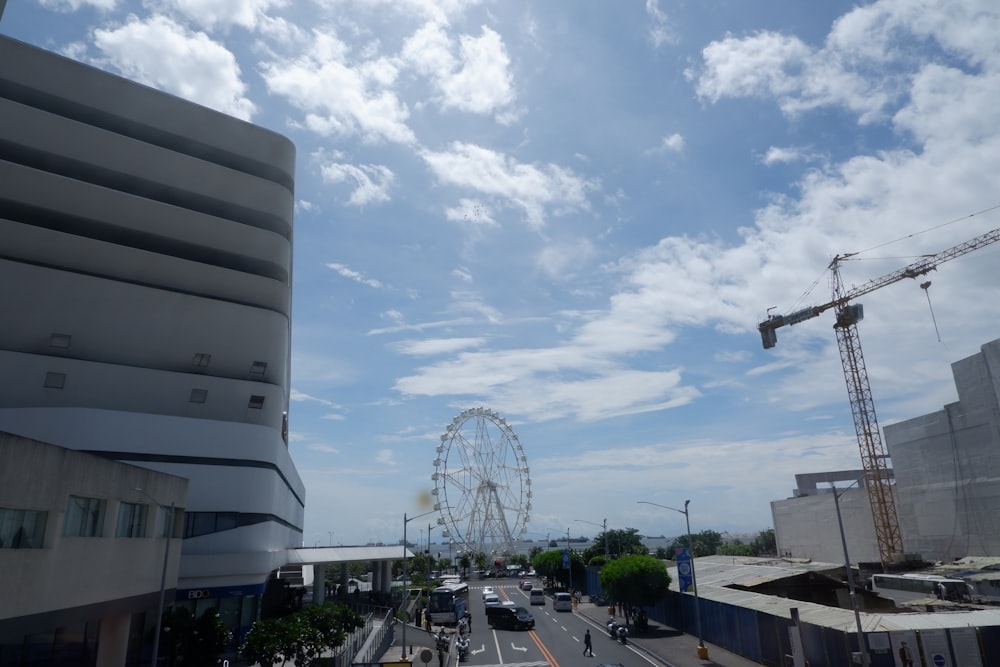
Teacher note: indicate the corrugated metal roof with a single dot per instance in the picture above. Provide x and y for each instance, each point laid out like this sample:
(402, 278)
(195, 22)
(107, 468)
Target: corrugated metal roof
(715, 574)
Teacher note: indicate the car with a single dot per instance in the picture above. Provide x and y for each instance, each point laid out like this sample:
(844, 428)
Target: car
(492, 600)
(487, 590)
(525, 585)
(562, 602)
(536, 596)
(506, 617)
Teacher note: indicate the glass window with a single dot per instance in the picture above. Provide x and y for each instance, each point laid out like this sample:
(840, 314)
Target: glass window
(166, 522)
(84, 517)
(22, 529)
(131, 520)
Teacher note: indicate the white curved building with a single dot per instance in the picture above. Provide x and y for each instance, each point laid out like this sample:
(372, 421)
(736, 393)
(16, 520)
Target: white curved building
(145, 281)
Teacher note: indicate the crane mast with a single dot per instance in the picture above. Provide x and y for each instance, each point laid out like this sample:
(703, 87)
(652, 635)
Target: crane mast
(874, 459)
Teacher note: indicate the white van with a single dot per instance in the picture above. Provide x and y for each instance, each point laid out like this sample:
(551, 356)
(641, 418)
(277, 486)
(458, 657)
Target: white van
(562, 602)
(536, 596)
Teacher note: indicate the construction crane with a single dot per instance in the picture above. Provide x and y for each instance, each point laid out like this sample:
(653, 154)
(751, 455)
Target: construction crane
(873, 455)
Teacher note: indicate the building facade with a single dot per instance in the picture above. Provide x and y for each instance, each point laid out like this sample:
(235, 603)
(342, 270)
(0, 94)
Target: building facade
(947, 466)
(146, 278)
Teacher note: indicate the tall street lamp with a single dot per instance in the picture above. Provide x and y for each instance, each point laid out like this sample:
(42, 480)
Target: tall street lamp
(862, 640)
(702, 650)
(168, 533)
(604, 526)
(406, 577)
(429, 528)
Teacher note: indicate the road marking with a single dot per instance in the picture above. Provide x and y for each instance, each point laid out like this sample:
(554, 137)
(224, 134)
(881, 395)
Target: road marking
(545, 651)
(518, 648)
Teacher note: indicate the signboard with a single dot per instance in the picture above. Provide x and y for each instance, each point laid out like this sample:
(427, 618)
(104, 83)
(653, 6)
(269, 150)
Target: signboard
(905, 639)
(936, 652)
(966, 646)
(685, 580)
(565, 559)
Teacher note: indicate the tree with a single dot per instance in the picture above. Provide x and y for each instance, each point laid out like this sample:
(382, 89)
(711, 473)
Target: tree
(194, 641)
(705, 543)
(765, 544)
(736, 548)
(466, 563)
(550, 564)
(620, 542)
(302, 636)
(636, 580)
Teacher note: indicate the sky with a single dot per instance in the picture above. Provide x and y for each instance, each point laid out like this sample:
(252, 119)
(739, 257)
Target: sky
(575, 214)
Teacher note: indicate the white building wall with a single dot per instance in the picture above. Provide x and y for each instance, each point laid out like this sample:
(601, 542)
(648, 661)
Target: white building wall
(805, 526)
(148, 256)
(947, 467)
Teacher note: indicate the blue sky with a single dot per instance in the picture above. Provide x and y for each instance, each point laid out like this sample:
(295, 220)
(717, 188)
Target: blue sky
(575, 214)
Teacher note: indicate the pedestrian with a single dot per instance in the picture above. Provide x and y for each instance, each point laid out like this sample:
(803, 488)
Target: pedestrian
(468, 619)
(588, 648)
(905, 656)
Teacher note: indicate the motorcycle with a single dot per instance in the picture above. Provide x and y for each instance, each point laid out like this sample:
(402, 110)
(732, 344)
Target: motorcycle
(613, 629)
(622, 635)
(443, 643)
(462, 645)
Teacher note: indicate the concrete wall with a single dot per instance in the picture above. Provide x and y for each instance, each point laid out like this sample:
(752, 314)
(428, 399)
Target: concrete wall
(947, 467)
(71, 578)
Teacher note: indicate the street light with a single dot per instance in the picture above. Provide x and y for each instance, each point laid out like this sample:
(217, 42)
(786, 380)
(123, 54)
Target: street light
(406, 576)
(702, 650)
(862, 640)
(169, 530)
(429, 528)
(607, 557)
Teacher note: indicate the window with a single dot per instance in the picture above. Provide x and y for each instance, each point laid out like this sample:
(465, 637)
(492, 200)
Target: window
(131, 520)
(258, 370)
(198, 395)
(55, 380)
(22, 529)
(166, 520)
(256, 403)
(84, 517)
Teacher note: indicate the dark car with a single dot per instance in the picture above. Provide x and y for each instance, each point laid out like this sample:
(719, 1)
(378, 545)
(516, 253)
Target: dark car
(505, 617)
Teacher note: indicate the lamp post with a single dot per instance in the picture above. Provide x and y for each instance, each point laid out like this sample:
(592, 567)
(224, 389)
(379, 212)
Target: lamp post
(862, 640)
(331, 537)
(406, 576)
(604, 526)
(702, 650)
(429, 528)
(168, 533)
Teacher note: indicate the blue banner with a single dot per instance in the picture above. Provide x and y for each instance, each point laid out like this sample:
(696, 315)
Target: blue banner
(684, 578)
(565, 559)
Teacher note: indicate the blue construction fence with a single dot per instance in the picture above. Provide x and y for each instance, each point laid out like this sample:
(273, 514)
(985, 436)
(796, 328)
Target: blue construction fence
(766, 639)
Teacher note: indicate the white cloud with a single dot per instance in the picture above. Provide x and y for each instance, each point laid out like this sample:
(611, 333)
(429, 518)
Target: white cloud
(356, 276)
(73, 5)
(478, 80)
(214, 13)
(471, 212)
(372, 181)
(188, 64)
(435, 346)
(386, 457)
(779, 155)
(340, 98)
(864, 65)
(532, 188)
(660, 30)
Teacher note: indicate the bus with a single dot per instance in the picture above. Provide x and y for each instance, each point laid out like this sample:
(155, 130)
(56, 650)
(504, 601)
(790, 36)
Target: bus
(914, 586)
(448, 603)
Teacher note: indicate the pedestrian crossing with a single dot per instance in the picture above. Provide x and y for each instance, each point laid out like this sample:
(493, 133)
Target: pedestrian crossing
(540, 663)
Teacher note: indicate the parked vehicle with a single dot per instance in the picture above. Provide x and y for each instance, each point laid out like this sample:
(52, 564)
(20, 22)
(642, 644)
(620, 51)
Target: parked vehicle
(503, 617)
(462, 646)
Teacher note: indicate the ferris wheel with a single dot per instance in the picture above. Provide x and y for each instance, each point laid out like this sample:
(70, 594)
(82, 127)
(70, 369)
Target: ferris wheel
(482, 487)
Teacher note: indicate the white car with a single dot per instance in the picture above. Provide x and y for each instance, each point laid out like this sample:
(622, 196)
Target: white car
(491, 600)
(487, 590)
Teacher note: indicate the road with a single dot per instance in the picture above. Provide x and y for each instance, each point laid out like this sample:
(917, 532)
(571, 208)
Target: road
(556, 641)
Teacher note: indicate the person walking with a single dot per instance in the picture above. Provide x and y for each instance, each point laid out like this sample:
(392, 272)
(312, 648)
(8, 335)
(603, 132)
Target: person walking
(588, 648)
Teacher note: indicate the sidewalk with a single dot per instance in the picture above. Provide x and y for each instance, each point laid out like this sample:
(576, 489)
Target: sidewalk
(670, 647)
